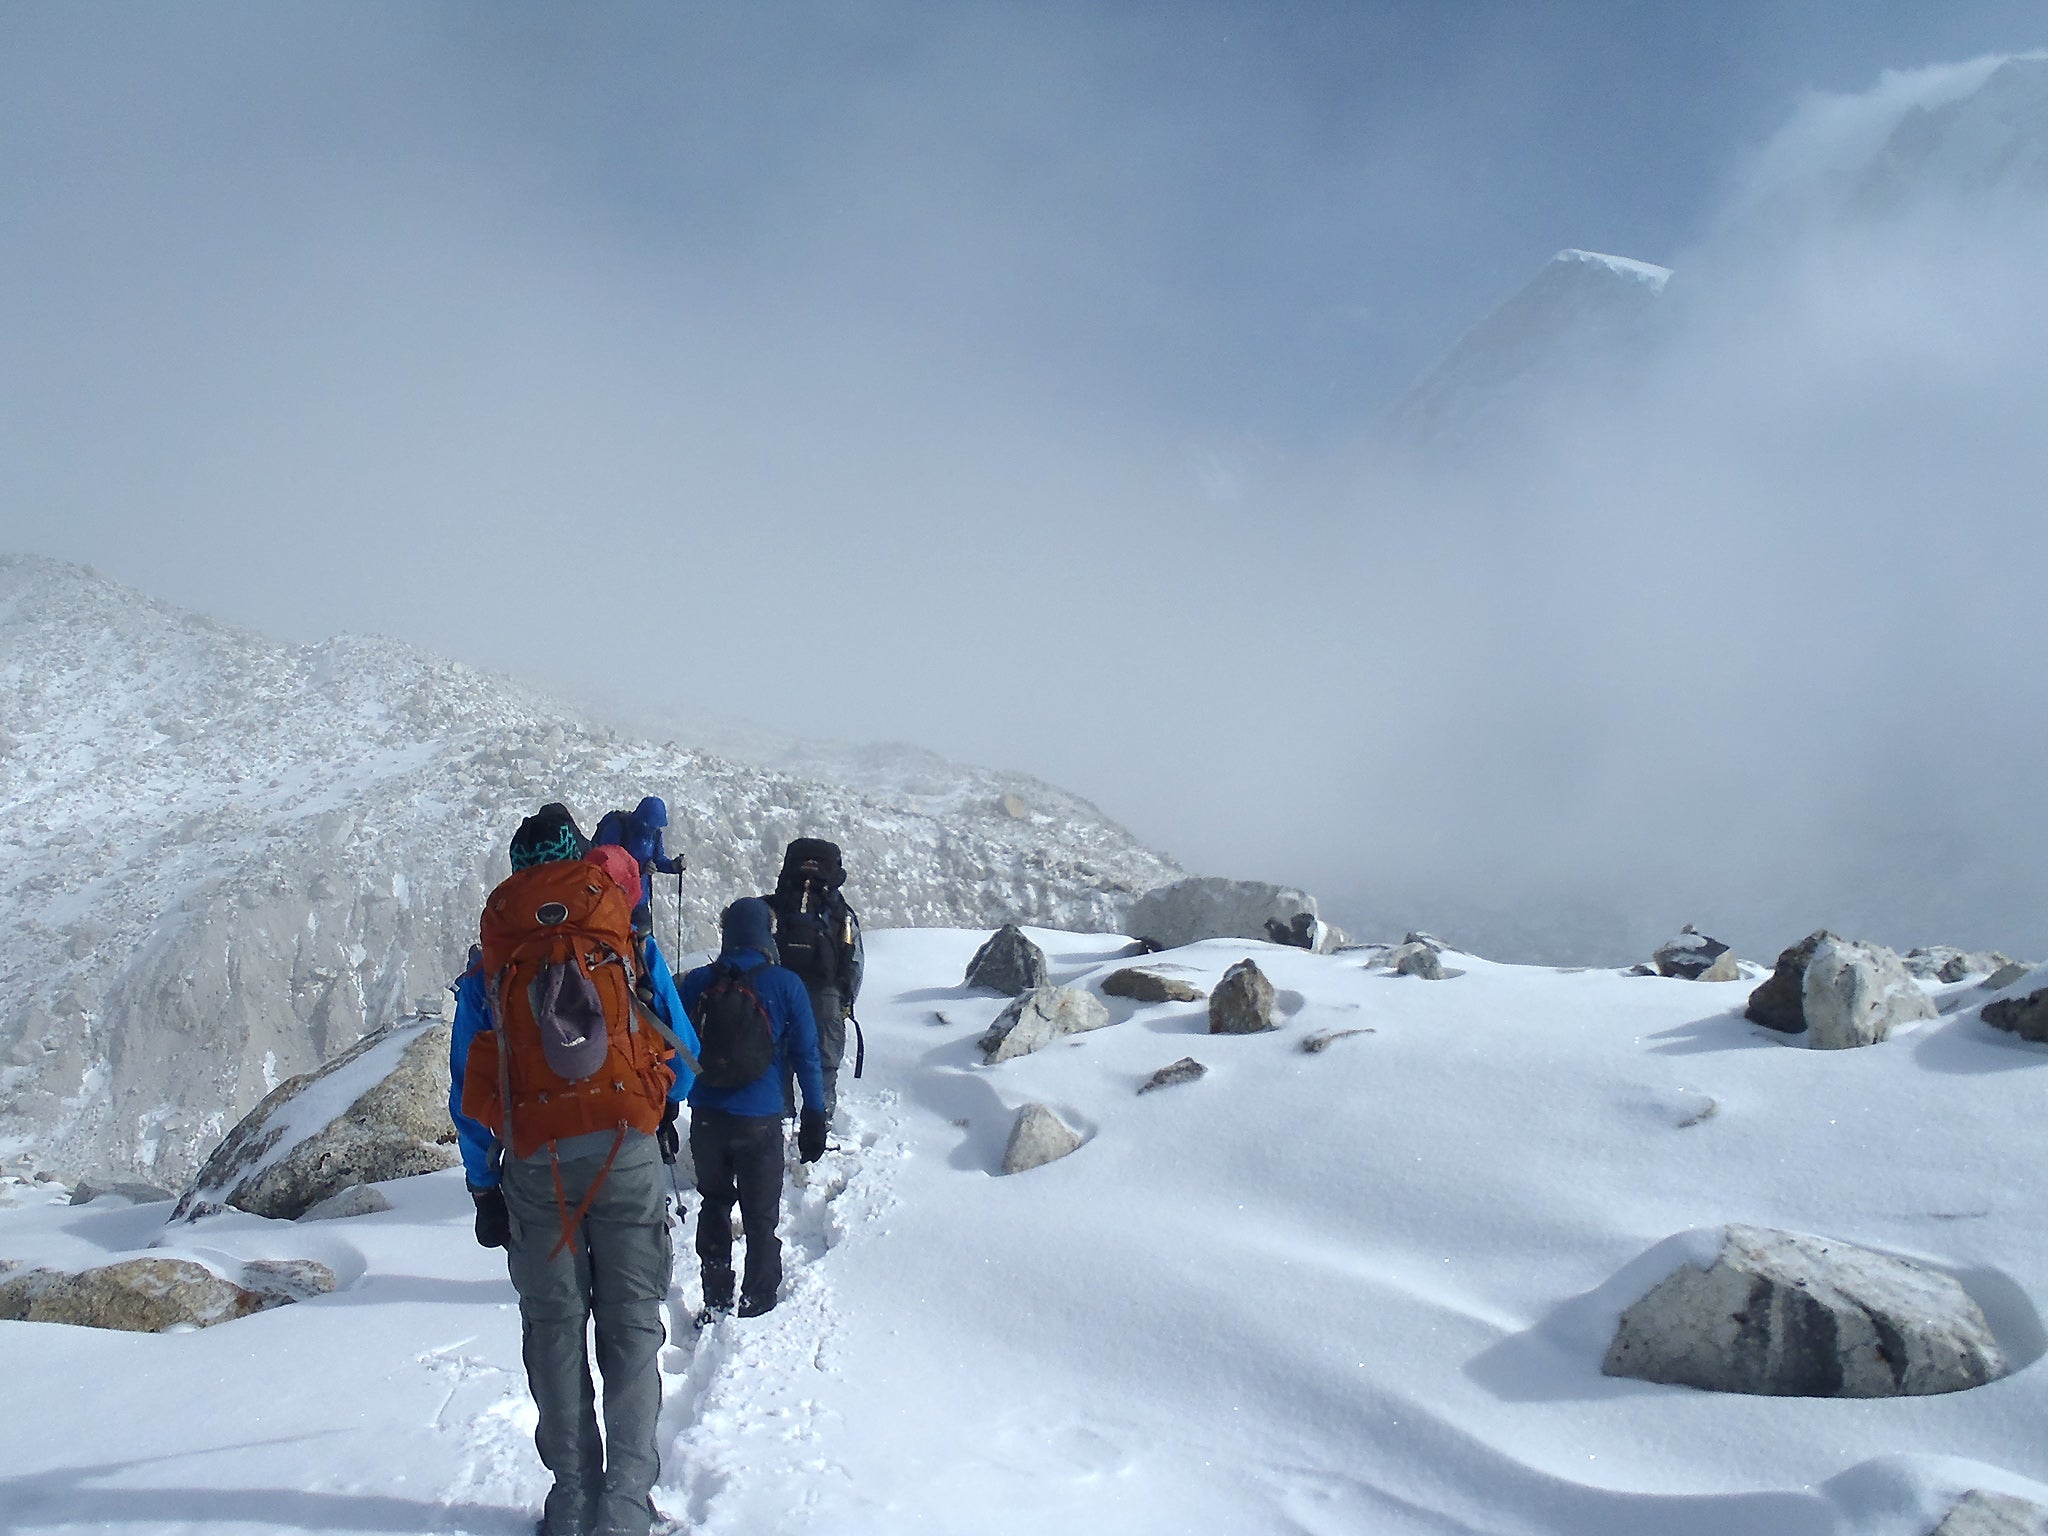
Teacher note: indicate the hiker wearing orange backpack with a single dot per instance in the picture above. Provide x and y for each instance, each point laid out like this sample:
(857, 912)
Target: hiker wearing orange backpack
(570, 1054)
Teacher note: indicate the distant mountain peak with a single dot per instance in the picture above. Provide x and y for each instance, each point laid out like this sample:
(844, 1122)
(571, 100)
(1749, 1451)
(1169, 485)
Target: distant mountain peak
(1562, 328)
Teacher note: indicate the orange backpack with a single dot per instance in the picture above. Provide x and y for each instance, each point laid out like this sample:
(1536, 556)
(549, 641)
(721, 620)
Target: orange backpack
(574, 1049)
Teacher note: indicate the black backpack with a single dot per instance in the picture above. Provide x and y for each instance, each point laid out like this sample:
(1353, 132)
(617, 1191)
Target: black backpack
(811, 936)
(736, 1037)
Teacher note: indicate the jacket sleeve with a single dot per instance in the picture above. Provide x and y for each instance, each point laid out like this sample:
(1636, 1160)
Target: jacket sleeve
(856, 959)
(479, 1146)
(800, 1039)
(669, 1004)
(661, 860)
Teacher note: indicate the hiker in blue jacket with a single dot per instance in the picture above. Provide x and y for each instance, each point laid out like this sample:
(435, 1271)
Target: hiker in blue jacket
(638, 831)
(608, 1277)
(736, 1128)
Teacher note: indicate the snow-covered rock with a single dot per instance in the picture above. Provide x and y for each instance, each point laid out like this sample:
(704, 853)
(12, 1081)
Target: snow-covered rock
(1242, 1002)
(1008, 963)
(1188, 911)
(88, 1190)
(1946, 963)
(1173, 1074)
(1038, 1137)
(151, 1295)
(1692, 956)
(355, 1200)
(1981, 1512)
(1418, 957)
(1858, 994)
(1039, 1017)
(1784, 1314)
(377, 1111)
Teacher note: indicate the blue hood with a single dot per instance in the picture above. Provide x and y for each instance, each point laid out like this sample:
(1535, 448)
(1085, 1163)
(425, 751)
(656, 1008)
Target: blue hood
(749, 924)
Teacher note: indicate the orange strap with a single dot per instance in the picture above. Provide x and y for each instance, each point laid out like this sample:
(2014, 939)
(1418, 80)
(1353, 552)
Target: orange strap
(571, 1223)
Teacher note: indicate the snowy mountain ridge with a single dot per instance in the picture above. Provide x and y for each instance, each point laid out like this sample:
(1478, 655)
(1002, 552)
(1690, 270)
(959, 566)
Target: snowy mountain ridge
(1970, 136)
(224, 859)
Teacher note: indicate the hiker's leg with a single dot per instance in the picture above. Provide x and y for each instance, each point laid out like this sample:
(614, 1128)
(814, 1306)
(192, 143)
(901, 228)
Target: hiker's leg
(554, 1313)
(831, 1050)
(757, 1164)
(629, 1259)
(711, 1151)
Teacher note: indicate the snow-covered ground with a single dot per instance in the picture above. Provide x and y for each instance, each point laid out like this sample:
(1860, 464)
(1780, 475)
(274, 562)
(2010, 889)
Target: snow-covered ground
(1340, 1291)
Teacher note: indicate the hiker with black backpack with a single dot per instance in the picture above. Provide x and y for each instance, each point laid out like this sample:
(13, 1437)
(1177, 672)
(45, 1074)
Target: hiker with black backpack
(570, 1053)
(754, 1021)
(818, 935)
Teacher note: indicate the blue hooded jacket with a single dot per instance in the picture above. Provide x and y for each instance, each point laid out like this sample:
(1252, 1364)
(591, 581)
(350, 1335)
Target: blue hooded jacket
(747, 930)
(479, 1144)
(638, 831)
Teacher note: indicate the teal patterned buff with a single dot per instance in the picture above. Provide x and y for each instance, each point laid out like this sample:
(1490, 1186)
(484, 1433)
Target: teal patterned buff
(563, 845)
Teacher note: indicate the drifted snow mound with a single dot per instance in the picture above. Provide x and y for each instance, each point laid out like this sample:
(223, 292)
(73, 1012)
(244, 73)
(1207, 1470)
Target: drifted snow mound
(1783, 1314)
(150, 1295)
(378, 1111)
(1039, 1017)
(1857, 994)
(1189, 911)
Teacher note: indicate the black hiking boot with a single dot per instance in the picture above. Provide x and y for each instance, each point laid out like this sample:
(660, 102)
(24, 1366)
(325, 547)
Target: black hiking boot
(754, 1306)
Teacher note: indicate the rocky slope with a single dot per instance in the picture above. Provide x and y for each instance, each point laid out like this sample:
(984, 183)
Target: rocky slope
(222, 860)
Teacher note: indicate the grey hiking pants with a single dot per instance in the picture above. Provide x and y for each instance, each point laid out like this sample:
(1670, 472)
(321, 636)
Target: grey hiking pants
(617, 1273)
(828, 1010)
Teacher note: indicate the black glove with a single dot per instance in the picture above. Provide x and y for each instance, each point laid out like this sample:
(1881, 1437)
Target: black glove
(493, 1221)
(666, 1136)
(810, 1136)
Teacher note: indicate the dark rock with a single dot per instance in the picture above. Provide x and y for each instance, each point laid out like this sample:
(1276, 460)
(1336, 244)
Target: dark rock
(1150, 987)
(1299, 933)
(1782, 1314)
(2005, 976)
(1242, 1003)
(1692, 956)
(2026, 1016)
(1186, 1070)
(1008, 963)
(1779, 999)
